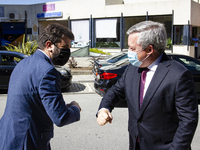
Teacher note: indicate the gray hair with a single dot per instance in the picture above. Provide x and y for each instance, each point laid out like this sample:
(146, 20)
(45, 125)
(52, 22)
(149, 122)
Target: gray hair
(150, 33)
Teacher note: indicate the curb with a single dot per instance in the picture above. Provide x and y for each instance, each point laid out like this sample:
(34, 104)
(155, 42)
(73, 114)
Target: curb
(81, 72)
(84, 78)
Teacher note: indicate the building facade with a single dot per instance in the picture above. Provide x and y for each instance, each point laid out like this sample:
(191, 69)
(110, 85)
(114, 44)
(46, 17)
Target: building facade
(103, 23)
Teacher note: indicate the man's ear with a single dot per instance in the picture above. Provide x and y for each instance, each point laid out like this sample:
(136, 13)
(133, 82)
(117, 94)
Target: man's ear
(150, 49)
(49, 46)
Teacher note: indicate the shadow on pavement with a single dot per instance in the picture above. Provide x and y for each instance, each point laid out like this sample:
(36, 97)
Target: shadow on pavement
(75, 87)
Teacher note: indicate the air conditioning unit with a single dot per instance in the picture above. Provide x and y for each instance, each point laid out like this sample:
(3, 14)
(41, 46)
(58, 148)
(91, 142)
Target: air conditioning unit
(14, 16)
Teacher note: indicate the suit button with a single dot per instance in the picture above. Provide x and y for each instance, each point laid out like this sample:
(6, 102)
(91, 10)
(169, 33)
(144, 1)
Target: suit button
(139, 121)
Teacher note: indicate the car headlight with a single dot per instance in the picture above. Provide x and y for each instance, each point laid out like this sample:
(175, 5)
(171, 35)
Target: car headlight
(63, 72)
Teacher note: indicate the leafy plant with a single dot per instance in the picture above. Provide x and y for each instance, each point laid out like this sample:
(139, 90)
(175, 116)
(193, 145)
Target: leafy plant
(72, 63)
(27, 48)
(169, 43)
(95, 50)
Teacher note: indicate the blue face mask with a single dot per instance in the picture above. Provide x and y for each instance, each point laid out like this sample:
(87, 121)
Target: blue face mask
(133, 59)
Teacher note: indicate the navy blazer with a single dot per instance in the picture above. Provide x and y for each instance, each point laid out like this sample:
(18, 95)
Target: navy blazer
(169, 114)
(34, 103)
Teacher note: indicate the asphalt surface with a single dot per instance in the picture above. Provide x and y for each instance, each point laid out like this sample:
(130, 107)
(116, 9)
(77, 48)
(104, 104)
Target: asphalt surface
(82, 80)
(81, 84)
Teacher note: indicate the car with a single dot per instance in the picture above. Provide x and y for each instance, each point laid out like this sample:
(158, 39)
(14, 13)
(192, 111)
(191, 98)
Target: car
(8, 61)
(111, 59)
(106, 76)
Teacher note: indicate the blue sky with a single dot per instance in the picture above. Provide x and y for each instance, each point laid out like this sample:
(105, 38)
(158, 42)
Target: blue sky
(24, 2)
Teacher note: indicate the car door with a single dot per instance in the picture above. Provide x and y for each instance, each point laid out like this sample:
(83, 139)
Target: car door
(193, 65)
(7, 64)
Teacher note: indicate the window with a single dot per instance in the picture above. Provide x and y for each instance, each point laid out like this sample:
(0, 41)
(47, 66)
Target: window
(80, 28)
(9, 60)
(108, 32)
(165, 19)
(181, 35)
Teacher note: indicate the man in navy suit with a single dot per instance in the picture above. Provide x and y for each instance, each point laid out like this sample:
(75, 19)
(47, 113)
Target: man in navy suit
(34, 100)
(163, 110)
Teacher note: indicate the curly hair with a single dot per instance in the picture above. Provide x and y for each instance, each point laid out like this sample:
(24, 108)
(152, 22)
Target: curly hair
(54, 32)
(150, 33)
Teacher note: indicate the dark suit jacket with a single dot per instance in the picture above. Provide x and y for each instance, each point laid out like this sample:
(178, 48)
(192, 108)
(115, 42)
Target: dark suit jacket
(169, 114)
(34, 103)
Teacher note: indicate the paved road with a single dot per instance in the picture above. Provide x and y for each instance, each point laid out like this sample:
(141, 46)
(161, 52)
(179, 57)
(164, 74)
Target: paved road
(87, 134)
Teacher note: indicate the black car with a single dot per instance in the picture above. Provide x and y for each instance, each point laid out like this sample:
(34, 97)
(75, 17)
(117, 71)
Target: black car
(106, 76)
(9, 59)
(111, 59)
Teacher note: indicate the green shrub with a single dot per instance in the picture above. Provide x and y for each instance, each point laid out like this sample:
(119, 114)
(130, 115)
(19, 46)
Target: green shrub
(106, 44)
(27, 48)
(169, 43)
(95, 50)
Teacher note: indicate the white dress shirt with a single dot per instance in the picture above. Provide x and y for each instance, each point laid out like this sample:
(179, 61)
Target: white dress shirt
(152, 69)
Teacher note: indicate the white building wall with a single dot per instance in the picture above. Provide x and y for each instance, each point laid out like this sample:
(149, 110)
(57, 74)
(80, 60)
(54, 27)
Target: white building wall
(77, 9)
(184, 11)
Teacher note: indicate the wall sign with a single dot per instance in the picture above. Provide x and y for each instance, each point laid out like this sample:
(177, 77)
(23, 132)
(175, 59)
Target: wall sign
(48, 7)
(50, 15)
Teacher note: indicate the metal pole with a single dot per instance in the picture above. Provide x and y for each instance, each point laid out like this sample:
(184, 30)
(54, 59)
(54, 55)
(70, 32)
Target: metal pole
(147, 16)
(69, 23)
(188, 39)
(93, 33)
(25, 26)
(121, 32)
(90, 32)
(172, 34)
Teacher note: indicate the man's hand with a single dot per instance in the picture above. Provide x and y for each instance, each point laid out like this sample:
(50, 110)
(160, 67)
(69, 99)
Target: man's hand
(104, 116)
(74, 103)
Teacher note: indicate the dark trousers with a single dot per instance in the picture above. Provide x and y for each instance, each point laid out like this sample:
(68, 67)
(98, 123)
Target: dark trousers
(131, 145)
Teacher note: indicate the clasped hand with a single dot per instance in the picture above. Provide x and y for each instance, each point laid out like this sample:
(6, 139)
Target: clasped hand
(74, 103)
(104, 116)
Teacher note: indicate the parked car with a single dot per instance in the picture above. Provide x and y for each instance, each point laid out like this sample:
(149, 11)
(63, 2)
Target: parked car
(107, 76)
(111, 59)
(8, 61)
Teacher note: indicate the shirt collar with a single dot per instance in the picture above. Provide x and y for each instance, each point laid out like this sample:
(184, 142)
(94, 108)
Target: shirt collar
(47, 57)
(154, 65)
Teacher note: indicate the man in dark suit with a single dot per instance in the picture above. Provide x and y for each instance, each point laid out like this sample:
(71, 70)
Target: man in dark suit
(163, 108)
(34, 100)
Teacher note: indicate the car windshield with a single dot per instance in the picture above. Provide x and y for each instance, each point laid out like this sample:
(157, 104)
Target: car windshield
(116, 57)
(190, 63)
(122, 62)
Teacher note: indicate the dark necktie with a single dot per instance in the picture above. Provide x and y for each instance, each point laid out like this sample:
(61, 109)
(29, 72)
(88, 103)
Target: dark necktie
(142, 83)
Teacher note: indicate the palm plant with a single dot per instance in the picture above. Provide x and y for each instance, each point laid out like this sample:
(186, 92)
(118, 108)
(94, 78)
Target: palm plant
(27, 48)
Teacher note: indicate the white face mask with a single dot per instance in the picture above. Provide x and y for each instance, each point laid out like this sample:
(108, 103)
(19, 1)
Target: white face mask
(133, 59)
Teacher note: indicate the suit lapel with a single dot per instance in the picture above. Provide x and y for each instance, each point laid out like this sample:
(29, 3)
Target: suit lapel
(136, 90)
(157, 79)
